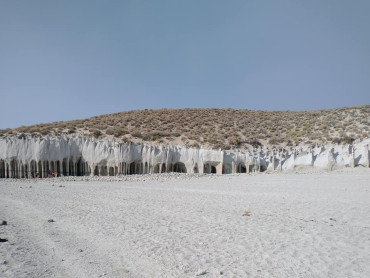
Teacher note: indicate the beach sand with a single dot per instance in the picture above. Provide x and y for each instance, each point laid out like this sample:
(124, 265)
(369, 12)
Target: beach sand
(265, 225)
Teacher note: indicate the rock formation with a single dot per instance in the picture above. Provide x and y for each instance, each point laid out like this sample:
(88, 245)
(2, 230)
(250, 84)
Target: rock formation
(81, 156)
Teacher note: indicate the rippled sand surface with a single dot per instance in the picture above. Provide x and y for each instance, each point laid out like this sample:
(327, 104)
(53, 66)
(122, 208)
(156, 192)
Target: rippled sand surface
(267, 225)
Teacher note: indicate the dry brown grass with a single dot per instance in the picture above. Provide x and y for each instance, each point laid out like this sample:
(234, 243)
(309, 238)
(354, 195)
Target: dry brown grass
(217, 128)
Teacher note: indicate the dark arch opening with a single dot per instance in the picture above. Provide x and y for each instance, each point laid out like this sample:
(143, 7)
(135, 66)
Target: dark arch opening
(263, 168)
(213, 170)
(156, 169)
(179, 167)
(7, 170)
(39, 172)
(25, 170)
(241, 168)
(132, 168)
(64, 166)
(13, 170)
(79, 168)
(104, 171)
(32, 169)
(196, 170)
(2, 169)
(52, 167)
(163, 167)
(71, 169)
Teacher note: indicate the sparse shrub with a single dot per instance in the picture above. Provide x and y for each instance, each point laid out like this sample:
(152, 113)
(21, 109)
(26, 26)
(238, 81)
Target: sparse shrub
(234, 141)
(44, 131)
(4, 131)
(348, 140)
(126, 140)
(109, 131)
(254, 142)
(96, 133)
(136, 134)
(195, 145)
(273, 141)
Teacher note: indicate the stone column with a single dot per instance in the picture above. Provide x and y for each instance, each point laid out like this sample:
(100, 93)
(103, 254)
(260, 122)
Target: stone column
(353, 157)
(61, 168)
(67, 167)
(331, 160)
(42, 175)
(280, 158)
(7, 171)
(367, 156)
(11, 170)
(37, 170)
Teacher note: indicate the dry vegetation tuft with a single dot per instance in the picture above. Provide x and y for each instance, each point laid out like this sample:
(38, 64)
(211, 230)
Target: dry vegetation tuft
(216, 128)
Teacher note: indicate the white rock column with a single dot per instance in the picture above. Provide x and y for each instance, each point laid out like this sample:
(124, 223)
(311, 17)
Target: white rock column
(331, 160)
(353, 157)
(367, 155)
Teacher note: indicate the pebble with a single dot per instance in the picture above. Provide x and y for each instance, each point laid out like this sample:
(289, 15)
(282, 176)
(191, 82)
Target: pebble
(51, 220)
(201, 272)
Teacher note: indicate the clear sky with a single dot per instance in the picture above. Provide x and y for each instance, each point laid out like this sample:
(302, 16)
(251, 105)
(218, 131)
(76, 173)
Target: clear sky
(65, 60)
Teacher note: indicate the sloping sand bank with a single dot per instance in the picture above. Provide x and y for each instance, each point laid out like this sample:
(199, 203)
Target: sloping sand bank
(268, 225)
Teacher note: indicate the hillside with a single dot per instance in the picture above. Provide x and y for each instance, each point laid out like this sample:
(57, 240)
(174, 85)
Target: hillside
(216, 128)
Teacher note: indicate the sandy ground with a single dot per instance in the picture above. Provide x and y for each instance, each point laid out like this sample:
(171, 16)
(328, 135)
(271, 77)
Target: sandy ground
(267, 225)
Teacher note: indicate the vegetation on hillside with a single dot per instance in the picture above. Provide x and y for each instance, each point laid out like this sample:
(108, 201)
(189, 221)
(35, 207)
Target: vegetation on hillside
(216, 128)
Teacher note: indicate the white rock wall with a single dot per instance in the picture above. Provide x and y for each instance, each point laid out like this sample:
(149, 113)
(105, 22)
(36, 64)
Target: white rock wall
(88, 156)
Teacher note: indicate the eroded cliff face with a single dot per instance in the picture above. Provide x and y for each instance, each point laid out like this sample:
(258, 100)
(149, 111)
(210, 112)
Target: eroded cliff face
(80, 156)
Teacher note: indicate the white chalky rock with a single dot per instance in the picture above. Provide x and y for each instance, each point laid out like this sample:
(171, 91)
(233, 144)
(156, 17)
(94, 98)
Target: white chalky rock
(82, 156)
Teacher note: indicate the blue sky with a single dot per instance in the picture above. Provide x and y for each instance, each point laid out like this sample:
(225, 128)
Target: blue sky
(65, 60)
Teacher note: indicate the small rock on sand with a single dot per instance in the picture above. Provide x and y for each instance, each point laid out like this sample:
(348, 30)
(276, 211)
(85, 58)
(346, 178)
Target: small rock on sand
(201, 272)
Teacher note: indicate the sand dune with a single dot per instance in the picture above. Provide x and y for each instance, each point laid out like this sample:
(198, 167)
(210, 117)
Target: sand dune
(267, 225)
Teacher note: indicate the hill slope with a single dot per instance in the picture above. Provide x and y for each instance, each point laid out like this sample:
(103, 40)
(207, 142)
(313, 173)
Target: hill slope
(216, 128)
